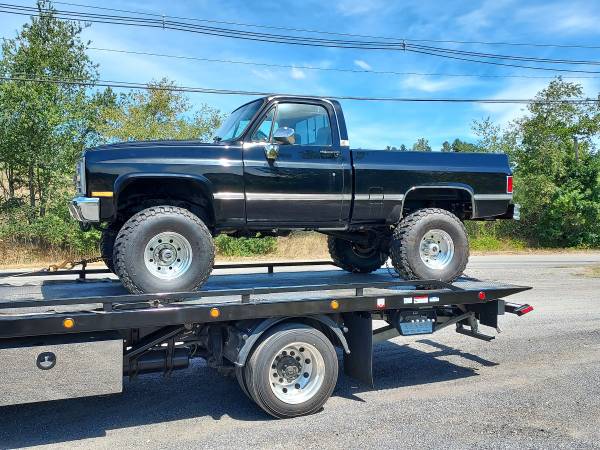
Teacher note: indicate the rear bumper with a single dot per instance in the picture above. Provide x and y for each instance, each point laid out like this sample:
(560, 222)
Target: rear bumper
(85, 209)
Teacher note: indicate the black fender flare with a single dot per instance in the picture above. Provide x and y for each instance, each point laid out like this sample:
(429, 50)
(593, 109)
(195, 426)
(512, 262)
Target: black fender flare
(335, 333)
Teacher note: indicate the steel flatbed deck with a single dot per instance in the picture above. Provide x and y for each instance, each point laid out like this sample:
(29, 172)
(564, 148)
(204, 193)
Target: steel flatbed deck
(227, 320)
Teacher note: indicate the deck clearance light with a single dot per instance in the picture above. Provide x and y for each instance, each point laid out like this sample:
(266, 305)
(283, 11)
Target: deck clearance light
(481, 295)
(68, 323)
(335, 304)
(214, 313)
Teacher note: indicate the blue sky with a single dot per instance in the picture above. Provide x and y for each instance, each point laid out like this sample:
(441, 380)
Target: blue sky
(370, 124)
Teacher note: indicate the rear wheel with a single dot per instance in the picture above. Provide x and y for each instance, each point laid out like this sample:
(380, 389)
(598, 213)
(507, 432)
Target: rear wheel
(357, 257)
(292, 372)
(163, 249)
(432, 244)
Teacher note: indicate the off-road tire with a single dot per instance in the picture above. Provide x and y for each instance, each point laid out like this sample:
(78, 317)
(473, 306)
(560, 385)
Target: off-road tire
(404, 248)
(258, 370)
(128, 254)
(107, 244)
(344, 256)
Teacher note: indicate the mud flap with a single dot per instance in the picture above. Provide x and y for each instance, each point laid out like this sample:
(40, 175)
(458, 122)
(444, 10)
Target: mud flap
(358, 364)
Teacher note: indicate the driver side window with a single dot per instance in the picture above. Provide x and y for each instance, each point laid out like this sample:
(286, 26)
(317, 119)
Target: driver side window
(263, 132)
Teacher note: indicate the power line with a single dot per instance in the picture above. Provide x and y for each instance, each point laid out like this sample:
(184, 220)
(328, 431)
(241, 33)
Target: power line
(333, 33)
(304, 41)
(202, 90)
(327, 69)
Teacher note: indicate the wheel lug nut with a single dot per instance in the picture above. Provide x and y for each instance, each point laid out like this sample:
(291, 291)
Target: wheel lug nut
(297, 386)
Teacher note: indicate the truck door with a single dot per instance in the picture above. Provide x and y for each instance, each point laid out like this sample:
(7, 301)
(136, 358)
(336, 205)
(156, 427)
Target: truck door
(298, 179)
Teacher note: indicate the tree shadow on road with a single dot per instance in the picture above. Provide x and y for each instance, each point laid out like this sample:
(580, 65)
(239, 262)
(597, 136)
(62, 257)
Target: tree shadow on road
(401, 365)
(200, 391)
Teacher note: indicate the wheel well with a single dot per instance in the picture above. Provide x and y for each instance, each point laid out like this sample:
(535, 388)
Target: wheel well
(184, 193)
(456, 200)
(323, 323)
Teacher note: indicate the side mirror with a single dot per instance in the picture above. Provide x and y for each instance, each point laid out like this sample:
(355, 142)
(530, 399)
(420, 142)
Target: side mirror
(284, 135)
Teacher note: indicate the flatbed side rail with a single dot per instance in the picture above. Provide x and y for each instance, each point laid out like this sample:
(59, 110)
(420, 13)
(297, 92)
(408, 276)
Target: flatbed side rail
(84, 271)
(244, 294)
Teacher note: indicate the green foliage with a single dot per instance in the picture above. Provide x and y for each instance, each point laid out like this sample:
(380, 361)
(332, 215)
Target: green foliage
(53, 230)
(230, 246)
(556, 166)
(156, 113)
(422, 145)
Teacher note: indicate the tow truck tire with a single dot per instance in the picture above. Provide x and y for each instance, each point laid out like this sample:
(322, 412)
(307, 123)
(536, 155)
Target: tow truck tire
(163, 249)
(292, 371)
(352, 258)
(430, 244)
(107, 244)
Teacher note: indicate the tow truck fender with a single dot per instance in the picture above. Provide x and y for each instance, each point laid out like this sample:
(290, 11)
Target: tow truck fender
(238, 350)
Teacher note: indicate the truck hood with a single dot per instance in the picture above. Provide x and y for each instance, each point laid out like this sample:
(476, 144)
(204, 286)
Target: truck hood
(159, 144)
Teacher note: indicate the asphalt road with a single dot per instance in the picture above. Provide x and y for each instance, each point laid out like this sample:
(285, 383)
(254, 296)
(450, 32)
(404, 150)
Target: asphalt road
(536, 386)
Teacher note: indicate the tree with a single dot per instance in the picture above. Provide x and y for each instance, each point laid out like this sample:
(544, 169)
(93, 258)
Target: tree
(422, 145)
(44, 125)
(446, 147)
(558, 192)
(463, 147)
(156, 113)
(403, 148)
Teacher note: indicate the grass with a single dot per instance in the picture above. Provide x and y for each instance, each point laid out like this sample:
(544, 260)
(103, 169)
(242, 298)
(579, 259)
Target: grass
(299, 246)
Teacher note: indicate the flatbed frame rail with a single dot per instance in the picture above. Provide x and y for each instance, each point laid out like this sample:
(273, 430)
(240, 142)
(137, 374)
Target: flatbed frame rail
(149, 310)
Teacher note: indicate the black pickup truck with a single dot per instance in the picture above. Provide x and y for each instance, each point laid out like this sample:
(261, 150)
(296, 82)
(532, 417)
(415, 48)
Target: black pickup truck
(277, 164)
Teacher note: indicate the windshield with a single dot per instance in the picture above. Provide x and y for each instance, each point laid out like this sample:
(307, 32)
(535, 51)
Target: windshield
(237, 122)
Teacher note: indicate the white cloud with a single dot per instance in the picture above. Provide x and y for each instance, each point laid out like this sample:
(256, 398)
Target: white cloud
(427, 84)
(297, 74)
(362, 64)
(569, 18)
(264, 74)
(504, 113)
(359, 7)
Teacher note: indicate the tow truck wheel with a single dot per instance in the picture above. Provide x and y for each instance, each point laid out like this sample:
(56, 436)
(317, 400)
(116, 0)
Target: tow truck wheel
(163, 249)
(354, 257)
(430, 244)
(292, 371)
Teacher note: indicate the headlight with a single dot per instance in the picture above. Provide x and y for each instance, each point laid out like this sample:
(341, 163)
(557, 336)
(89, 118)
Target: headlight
(79, 178)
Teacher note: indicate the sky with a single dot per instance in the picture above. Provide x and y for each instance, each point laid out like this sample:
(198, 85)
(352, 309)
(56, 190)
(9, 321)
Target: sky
(370, 124)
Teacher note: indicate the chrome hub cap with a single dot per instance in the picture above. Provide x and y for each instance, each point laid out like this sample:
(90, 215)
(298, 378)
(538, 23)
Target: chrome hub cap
(168, 255)
(436, 249)
(297, 373)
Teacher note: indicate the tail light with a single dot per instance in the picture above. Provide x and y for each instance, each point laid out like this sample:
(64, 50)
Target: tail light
(509, 184)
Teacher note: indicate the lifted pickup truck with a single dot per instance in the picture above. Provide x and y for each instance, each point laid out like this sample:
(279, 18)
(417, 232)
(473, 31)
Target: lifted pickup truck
(278, 164)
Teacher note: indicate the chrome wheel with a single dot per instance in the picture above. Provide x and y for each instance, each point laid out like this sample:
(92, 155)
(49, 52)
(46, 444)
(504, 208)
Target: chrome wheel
(436, 249)
(168, 255)
(297, 373)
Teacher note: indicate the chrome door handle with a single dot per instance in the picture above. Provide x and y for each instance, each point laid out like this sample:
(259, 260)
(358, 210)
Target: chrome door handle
(329, 154)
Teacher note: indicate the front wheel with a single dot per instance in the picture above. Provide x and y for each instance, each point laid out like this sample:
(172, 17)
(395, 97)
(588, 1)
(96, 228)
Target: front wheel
(292, 372)
(430, 244)
(163, 249)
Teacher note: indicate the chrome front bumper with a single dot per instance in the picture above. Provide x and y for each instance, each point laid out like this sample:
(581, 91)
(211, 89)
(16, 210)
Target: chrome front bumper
(85, 209)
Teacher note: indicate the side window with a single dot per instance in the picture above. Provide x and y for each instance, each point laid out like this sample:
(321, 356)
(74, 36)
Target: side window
(263, 132)
(310, 123)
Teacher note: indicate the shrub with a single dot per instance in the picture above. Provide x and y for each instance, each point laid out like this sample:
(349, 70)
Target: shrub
(256, 246)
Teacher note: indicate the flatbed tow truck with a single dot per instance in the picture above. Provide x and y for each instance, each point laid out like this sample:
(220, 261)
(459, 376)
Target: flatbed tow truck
(276, 332)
